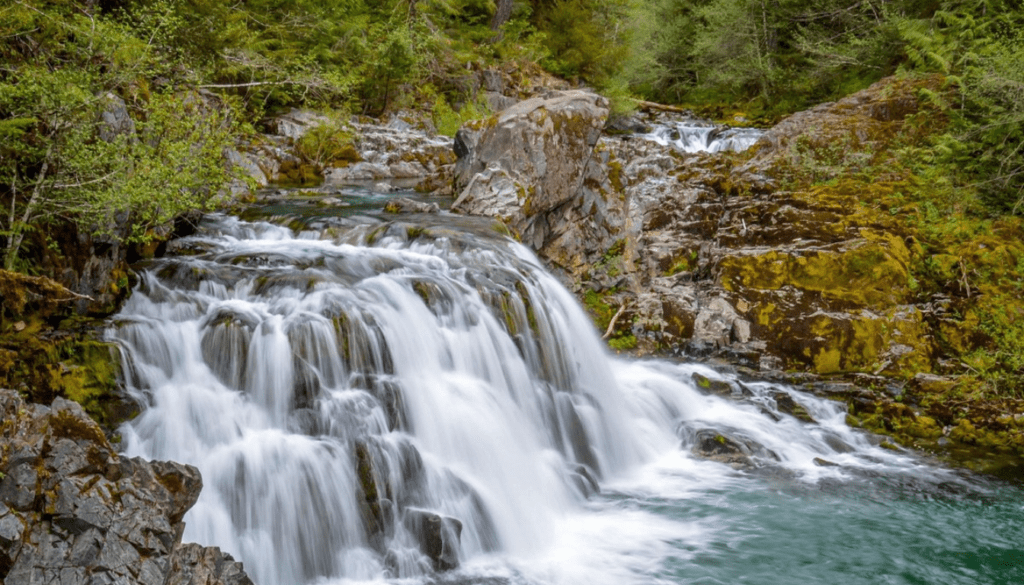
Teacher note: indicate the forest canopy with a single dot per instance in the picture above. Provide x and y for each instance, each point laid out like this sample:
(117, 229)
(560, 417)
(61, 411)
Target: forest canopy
(64, 60)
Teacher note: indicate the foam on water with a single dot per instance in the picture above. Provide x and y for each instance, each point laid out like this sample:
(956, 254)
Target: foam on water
(700, 136)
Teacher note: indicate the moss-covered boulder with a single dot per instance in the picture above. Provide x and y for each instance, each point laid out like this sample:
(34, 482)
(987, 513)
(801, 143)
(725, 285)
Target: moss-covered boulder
(47, 352)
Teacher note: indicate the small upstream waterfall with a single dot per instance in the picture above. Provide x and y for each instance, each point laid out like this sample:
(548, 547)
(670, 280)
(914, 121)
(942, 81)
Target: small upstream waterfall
(375, 400)
(701, 136)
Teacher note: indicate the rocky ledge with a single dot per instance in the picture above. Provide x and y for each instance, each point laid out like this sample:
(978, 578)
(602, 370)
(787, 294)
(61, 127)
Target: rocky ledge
(72, 511)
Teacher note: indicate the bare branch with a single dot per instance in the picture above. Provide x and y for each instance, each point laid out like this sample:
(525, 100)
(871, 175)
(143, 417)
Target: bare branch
(611, 324)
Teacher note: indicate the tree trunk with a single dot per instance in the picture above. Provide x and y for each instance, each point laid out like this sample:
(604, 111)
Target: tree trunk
(501, 14)
(18, 230)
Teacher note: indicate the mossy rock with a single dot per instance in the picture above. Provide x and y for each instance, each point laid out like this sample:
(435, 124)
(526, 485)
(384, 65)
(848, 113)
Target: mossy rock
(897, 341)
(299, 174)
(39, 296)
(867, 275)
(44, 364)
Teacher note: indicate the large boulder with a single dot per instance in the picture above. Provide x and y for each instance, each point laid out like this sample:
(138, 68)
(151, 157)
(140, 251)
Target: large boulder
(72, 511)
(529, 159)
(114, 118)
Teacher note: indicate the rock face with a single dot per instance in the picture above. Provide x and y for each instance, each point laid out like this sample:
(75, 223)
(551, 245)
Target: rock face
(73, 512)
(528, 160)
(92, 266)
(708, 254)
(401, 147)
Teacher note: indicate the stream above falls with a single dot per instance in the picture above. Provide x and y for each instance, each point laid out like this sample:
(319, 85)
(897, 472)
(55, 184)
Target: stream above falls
(414, 399)
(694, 135)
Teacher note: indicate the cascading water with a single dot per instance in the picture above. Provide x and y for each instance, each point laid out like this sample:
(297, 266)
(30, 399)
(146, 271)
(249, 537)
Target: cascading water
(701, 136)
(373, 400)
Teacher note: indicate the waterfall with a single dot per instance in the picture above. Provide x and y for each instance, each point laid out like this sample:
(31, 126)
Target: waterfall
(385, 400)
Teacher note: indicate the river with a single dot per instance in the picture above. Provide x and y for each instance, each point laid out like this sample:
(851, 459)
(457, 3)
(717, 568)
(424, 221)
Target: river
(414, 399)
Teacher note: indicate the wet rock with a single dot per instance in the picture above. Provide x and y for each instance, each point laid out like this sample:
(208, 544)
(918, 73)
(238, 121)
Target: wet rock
(824, 462)
(406, 205)
(225, 346)
(73, 511)
(734, 450)
(373, 509)
(717, 387)
(396, 150)
(438, 536)
(785, 403)
(584, 481)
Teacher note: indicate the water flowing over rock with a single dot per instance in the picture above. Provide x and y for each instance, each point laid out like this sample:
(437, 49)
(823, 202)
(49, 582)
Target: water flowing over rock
(413, 397)
(72, 511)
(396, 150)
(694, 135)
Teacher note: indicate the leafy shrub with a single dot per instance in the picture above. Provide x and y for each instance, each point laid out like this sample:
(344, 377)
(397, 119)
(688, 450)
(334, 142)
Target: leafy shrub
(326, 144)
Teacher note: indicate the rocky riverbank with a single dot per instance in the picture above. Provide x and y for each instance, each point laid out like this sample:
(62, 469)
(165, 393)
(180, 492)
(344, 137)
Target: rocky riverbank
(74, 511)
(783, 261)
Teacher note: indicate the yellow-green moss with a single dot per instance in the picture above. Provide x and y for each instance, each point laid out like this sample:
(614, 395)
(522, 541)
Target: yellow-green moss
(827, 361)
(868, 275)
(623, 343)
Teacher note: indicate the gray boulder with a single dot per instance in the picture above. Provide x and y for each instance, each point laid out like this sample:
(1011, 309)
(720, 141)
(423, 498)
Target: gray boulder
(296, 123)
(438, 536)
(528, 159)
(114, 118)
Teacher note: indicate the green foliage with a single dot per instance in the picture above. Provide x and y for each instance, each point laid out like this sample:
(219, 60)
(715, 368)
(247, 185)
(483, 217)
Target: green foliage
(979, 46)
(585, 38)
(327, 143)
(777, 57)
(623, 343)
(71, 150)
(448, 121)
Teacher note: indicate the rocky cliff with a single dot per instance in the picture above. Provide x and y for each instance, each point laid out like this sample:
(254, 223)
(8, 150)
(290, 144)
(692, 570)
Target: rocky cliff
(72, 511)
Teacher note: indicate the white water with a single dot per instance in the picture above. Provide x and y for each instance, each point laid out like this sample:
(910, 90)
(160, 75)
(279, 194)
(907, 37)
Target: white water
(446, 372)
(698, 136)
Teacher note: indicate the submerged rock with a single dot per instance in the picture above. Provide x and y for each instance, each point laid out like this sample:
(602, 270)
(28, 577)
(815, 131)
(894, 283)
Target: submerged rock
(734, 450)
(406, 205)
(438, 536)
(74, 511)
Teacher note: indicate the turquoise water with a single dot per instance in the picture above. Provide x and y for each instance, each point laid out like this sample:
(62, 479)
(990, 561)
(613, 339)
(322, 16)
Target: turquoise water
(895, 530)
